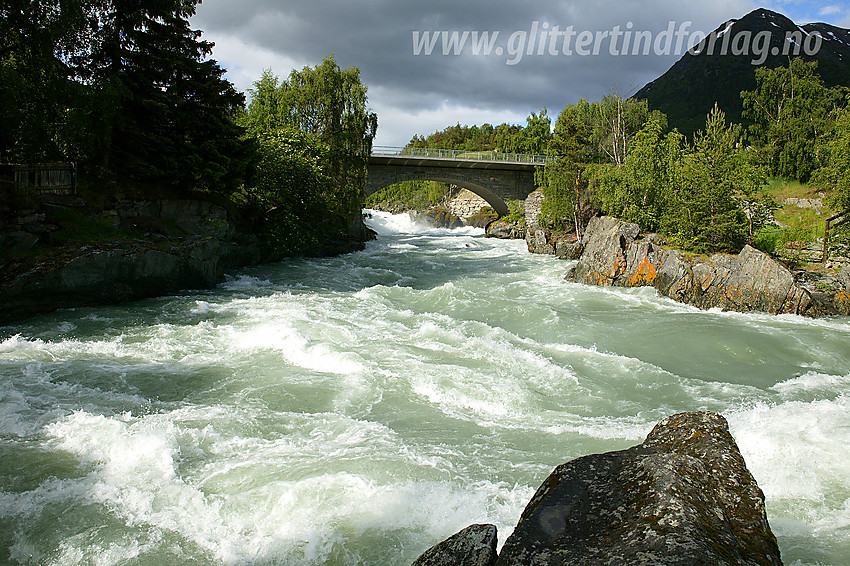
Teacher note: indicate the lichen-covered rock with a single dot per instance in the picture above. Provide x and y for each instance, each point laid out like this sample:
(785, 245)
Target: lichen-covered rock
(684, 497)
(751, 281)
(473, 546)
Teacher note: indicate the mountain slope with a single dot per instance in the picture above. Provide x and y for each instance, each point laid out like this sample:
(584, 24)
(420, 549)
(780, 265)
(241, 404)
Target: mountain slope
(689, 89)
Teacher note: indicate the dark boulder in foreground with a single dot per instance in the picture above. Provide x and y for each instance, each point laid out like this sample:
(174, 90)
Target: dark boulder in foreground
(683, 497)
(473, 546)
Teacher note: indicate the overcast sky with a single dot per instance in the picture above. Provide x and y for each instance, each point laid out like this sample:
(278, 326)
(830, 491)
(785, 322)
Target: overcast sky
(524, 71)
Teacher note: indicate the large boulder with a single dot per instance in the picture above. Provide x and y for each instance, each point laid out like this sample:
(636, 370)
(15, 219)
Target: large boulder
(473, 546)
(683, 497)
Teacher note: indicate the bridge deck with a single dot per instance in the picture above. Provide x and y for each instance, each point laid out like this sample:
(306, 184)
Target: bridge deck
(424, 157)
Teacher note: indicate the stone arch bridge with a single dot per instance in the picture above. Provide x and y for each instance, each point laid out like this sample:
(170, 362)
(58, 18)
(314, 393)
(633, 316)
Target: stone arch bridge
(495, 177)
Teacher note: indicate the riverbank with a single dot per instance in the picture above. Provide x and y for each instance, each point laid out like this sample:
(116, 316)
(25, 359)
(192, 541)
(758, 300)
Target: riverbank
(60, 253)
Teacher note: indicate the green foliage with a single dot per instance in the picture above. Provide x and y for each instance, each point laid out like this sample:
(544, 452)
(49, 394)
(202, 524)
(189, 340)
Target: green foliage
(790, 111)
(835, 174)
(561, 179)
(458, 137)
(504, 138)
(642, 189)
(314, 135)
(293, 192)
(588, 135)
(409, 195)
(707, 217)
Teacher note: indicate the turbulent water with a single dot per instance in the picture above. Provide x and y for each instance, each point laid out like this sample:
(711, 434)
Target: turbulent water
(356, 410)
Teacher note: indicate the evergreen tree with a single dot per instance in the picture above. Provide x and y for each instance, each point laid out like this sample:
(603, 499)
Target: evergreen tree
(708, 216)
(166, 112)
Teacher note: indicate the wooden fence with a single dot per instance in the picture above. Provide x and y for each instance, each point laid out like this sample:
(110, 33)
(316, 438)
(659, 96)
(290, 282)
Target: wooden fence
(50, 178)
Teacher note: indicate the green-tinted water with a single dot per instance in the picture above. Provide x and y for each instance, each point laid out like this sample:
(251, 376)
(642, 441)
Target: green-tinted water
(356, 410)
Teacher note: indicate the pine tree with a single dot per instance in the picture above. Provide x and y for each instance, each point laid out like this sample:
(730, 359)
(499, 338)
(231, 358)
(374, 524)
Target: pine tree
(167, 110)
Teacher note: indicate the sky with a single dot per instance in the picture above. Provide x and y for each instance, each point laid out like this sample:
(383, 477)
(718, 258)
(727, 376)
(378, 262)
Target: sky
(546, 53)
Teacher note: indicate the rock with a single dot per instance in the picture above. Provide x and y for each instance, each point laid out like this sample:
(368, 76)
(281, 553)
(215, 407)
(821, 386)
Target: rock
(842, 294)
(506, 230)
(537, 240)
(568, 250)
(683, 497)
(750, 281)
(18, 241)
(613, 255)
(482, 218)
(473, 546)
(438, 217)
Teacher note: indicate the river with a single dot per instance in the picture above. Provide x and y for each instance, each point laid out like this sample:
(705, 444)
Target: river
(358, 409)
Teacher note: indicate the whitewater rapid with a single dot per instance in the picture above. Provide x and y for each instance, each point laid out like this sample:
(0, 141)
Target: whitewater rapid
(358, 409)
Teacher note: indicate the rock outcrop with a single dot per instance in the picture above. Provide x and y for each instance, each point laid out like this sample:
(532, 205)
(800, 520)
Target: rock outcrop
(151, 248)
(116, 272)
(684, 497)
(506, 230)
(473, 546)
(614, 254)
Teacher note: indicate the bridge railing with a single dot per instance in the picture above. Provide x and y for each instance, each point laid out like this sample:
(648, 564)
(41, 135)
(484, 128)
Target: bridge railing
(458, 155)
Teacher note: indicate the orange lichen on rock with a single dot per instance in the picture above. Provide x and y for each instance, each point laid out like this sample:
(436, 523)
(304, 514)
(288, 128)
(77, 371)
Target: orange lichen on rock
(645, 274)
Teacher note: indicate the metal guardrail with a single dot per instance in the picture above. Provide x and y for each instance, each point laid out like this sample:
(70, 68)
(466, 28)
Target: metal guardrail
(458, 155)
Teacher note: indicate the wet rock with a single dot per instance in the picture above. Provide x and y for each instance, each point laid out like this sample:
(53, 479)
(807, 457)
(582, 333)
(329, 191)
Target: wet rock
(568, 250)
(683, 497)
(473, 546)
(506, 230)
(842, 294)
(482, 218)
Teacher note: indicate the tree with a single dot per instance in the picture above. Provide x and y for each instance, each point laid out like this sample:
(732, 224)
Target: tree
(640, 191)
(330, 105)
(709, 217)
(168, 110)
(321, 112)
(535, 137)
(561, 179)
(835, 174)
(36, 37)
(790, 110)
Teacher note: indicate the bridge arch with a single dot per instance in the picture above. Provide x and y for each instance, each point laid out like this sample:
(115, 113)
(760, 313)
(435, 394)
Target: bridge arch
(494, 177)
(379, 178)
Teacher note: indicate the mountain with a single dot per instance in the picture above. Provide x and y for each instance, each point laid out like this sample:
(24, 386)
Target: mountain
(689, 89)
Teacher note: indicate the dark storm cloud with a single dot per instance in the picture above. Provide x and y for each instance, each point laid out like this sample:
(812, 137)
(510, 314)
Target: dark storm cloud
(377, 37)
